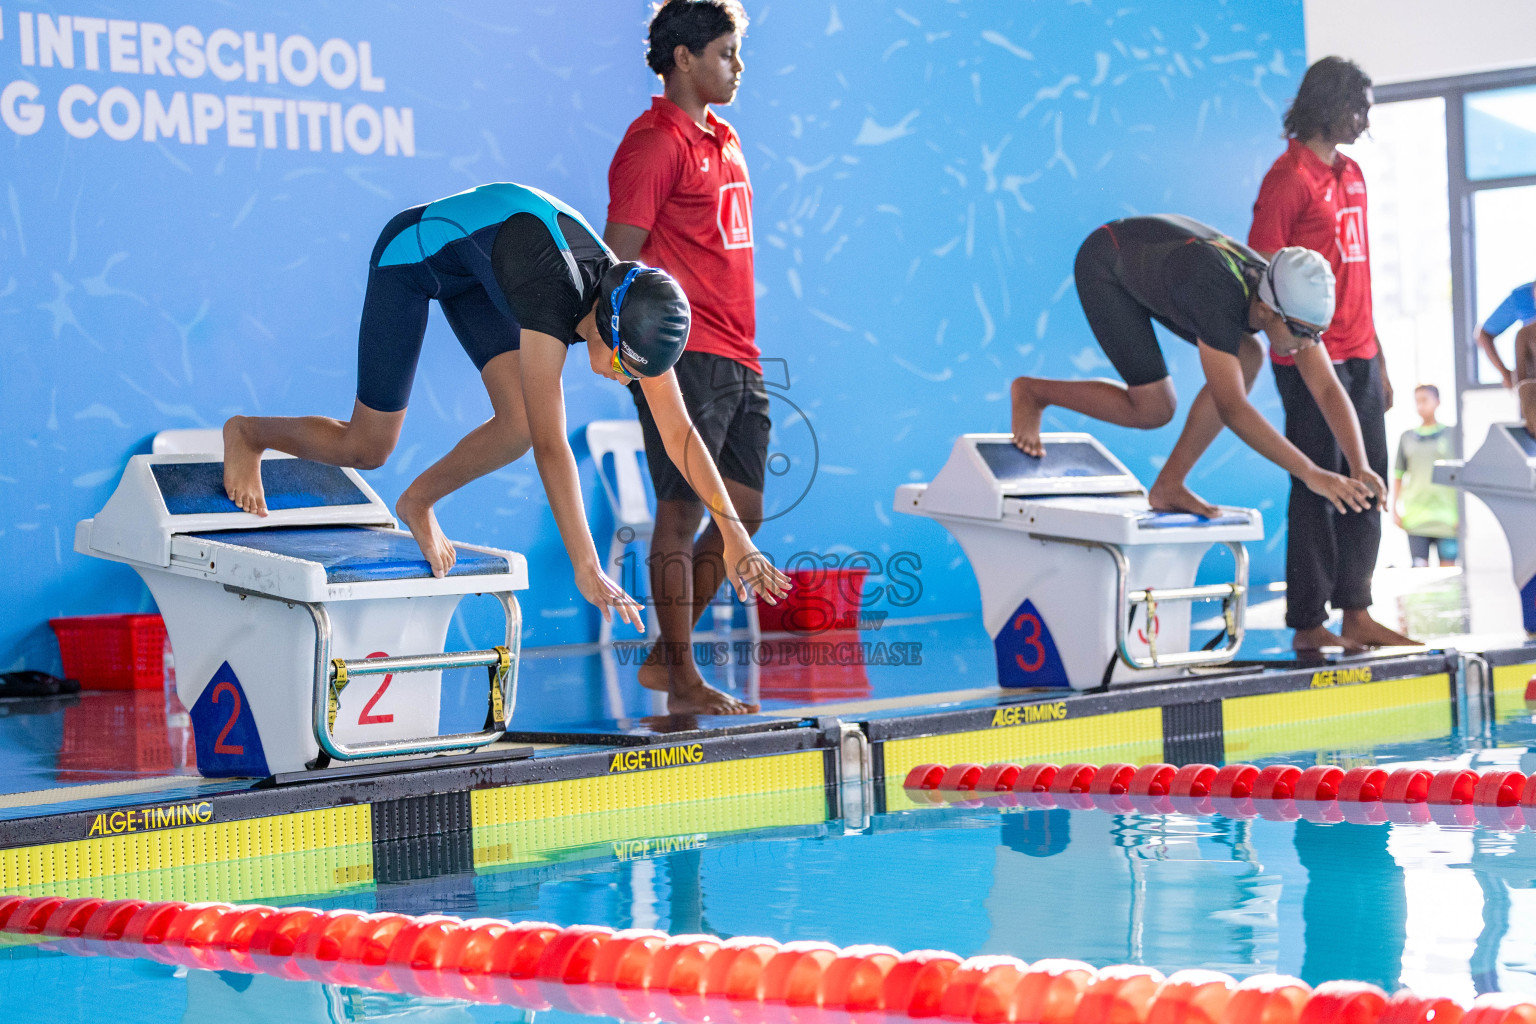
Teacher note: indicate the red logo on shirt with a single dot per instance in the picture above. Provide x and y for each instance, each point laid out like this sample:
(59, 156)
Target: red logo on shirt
(733, 215)
(1351, 234)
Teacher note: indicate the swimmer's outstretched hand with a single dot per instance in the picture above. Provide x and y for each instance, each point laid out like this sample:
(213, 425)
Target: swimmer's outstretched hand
(242, 468)
(597, 587)
(1346, 495)
(749, 567)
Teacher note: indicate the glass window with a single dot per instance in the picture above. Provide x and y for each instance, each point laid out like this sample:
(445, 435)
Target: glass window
(1501, 227)
(1501, 132)
(1403, 158)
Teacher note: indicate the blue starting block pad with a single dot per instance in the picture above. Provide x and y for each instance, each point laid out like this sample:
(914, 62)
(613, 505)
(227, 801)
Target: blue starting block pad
(193, 488)
(356, 554)
(1082, 582)
(288, 630)
(1073, 460)
(1172, 520)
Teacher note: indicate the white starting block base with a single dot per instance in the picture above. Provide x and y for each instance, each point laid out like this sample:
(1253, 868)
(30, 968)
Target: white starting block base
(1081, 582)
(1503, 476)
(262, 652)
(314, 633)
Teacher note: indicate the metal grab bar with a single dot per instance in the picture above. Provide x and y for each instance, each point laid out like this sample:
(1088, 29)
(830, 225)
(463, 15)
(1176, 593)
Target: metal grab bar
(418, 662)
(1208, 592)
(332, 675)
(1233, 597)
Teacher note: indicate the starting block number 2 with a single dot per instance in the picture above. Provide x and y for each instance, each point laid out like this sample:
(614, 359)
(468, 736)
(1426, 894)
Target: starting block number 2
(220, 746)
(366, 716)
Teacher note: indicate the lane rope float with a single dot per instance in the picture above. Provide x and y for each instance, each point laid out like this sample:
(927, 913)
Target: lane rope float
(1326, 793)
(643, 975)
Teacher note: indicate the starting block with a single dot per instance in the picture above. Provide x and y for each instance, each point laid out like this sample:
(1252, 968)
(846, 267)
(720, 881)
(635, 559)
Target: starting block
(1081, 582)
(1503, 475)
(284, 626)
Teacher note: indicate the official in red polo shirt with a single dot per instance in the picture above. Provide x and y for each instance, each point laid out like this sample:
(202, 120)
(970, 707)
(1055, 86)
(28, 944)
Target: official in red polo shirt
(1314, 196)
(680, 199)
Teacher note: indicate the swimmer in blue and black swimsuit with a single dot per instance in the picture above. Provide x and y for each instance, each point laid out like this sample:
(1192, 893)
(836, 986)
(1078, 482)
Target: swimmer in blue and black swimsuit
(520, 277)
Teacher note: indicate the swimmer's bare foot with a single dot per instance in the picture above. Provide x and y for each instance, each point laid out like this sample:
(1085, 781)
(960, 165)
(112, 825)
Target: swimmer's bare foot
(687, 692)
(1310, 641)
(1027, 410)
(653, 670)
(1173, 496)
(1526, 389)
(419, 518)
(1362, 629)
(699, 698)
(242, 467)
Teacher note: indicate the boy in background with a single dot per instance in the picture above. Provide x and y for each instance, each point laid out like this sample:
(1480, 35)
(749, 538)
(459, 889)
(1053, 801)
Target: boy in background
(679, 198)
(1425, 510)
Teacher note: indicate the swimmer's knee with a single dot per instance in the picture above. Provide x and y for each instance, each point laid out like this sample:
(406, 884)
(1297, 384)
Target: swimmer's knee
(1154, 404)
(370, 452)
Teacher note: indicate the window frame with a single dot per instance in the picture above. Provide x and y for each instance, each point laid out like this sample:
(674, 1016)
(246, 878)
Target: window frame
(1462, 192)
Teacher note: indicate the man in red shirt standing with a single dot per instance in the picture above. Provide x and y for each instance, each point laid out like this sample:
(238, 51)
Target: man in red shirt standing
(1314, 196)
(679, 199)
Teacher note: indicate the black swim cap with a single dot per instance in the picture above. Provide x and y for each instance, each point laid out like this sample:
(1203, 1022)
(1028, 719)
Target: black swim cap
(653, 316)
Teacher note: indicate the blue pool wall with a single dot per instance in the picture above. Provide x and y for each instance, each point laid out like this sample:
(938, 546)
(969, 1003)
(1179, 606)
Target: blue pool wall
(923, 175)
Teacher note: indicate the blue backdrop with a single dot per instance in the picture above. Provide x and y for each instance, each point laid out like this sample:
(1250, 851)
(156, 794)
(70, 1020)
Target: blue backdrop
(923, 175)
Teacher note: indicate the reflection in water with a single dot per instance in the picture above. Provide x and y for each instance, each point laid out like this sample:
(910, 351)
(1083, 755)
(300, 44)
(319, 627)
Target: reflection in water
(1372, 903)
(1355, 907)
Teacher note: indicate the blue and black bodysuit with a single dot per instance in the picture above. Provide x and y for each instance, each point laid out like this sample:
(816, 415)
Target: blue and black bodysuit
(497, 258)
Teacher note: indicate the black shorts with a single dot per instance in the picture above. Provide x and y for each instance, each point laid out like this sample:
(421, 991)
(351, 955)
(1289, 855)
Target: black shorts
(395, 309)
(1119, 321)
(729, 408)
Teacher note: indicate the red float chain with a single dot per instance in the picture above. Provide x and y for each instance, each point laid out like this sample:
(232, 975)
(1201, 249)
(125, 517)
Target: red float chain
(639, 974)
(1454, 796)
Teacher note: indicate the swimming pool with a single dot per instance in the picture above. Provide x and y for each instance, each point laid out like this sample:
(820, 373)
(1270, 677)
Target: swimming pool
(1445, 910)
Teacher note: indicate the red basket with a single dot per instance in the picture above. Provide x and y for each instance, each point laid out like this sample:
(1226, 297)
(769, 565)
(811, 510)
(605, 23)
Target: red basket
(113, 652)
(821, 599)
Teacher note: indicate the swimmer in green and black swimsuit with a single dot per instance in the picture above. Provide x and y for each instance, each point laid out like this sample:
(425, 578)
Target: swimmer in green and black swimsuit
(520, 277)
(1216, 293)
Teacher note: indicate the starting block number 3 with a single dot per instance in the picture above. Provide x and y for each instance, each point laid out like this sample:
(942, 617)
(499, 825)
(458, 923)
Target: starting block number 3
(366, 716)
(1031, 640)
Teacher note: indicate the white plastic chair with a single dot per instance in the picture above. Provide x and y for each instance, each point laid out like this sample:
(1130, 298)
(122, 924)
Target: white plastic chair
(189, 441)
(632, 511)
(626, 498)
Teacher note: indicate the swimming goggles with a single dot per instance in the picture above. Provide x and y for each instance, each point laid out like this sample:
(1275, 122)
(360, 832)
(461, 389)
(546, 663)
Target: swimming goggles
(613, 322)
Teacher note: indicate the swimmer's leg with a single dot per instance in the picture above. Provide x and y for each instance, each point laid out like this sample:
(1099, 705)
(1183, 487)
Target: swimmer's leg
(1169, 492)
(363, 442)
(1144, 406)
(1123, 328)
(500, 440)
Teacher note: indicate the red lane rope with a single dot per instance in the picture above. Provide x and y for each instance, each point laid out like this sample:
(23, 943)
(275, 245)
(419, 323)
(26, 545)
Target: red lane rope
(644, 975)
(1453, 796)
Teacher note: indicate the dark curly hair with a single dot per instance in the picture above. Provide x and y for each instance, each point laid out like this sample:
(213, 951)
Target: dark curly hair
(691, 23)
(1332, 89)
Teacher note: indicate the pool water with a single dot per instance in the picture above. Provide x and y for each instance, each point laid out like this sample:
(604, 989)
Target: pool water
(1445, 910)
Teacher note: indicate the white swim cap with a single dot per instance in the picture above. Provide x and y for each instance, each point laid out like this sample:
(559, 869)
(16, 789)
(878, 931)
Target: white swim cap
(1299, 284)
